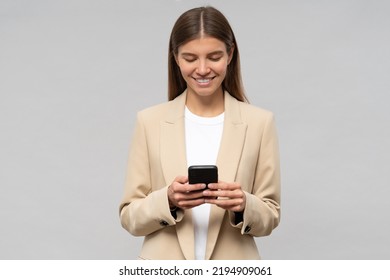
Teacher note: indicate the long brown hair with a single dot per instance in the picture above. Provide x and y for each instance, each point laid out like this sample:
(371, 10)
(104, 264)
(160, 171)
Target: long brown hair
(190, 25)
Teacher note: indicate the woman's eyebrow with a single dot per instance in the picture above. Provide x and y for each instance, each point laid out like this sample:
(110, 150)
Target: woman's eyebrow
(188, 54)
(216, 53)
(209, 54)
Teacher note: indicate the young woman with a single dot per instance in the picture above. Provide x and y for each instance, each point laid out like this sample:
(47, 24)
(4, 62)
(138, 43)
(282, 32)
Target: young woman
(207, 121)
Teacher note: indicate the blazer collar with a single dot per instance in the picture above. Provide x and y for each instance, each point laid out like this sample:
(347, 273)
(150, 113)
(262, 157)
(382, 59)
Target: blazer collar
(176, 109)
(229, 155)
(174, 163)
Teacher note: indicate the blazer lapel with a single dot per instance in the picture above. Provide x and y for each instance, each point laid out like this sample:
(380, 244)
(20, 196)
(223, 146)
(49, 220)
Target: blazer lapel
(229, 155)
(174, 163)
(172, 150)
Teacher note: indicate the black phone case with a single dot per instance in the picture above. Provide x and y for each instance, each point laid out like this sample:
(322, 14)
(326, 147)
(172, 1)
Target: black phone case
(202, 174)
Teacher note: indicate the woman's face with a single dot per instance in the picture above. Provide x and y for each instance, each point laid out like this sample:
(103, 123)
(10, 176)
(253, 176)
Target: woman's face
(203, 63)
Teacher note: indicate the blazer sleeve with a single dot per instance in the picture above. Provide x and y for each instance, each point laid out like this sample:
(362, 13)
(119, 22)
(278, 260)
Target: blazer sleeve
(142, 209)
(262, 210)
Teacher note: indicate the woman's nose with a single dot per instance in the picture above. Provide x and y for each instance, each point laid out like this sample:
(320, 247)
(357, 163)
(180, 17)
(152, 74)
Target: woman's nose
(203, 68)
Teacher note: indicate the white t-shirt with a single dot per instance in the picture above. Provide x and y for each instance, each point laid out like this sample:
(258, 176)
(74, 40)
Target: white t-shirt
(203, 138)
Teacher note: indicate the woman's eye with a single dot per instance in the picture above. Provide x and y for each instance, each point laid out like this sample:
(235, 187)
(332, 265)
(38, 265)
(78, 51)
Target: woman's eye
(189, 58)
(215, 58)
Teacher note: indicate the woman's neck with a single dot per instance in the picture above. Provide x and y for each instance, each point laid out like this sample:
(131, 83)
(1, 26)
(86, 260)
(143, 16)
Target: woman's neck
(206, 106)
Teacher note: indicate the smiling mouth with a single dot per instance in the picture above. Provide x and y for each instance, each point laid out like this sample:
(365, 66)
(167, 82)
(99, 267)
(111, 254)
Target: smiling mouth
(203, 80)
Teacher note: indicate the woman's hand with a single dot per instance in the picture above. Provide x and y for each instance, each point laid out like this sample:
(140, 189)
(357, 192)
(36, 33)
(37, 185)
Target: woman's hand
(228, 196)
(183, 195)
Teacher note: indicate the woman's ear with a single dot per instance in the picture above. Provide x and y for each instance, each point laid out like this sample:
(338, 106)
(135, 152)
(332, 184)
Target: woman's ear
(176, 59)
(231, 54)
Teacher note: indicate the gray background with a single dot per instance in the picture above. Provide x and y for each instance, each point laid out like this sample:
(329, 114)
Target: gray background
(74, 73)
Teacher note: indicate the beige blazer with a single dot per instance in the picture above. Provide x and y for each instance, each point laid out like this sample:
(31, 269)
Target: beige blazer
(248, 154)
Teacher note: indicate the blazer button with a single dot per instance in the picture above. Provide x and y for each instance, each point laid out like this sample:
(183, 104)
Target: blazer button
(164, 223)
(247, 229)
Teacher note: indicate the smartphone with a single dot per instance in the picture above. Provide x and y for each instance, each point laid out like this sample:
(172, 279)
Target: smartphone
(204, 174)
